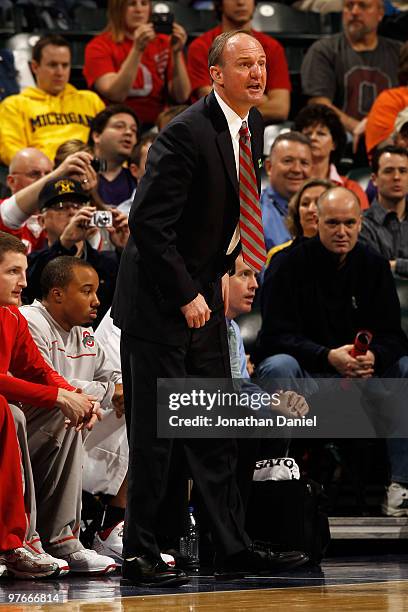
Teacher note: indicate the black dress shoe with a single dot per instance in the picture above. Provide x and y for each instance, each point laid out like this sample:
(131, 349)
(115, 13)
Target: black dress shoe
(279, 560)
(150, 572)
(250, 562)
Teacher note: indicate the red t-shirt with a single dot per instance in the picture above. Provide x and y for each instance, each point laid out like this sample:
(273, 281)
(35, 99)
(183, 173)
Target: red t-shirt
(20, 356)
(33, 240)
(148, 94)
(276, 64)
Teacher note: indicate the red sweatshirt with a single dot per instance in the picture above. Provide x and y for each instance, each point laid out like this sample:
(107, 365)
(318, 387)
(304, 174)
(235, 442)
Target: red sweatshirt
(33, 381)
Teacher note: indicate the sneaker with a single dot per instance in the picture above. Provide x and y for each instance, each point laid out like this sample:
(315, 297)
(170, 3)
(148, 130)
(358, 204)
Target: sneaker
(38, 551)
(178, 560)
(110, 542)
(396, 500)
(169, 559)
(22, 563)
(86, 561)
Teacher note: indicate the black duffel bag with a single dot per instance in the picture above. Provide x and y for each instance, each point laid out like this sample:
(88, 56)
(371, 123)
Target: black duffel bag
(289, 515)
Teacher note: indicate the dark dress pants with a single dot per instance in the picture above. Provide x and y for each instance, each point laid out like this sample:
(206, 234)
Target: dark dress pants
(212, 462)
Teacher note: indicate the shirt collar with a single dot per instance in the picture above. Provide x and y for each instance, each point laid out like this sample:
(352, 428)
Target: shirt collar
(379, 213)
(274, 195)
(334, 175)
(234, 121)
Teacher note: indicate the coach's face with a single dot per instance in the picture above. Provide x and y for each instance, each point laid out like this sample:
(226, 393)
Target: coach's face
(240, 79)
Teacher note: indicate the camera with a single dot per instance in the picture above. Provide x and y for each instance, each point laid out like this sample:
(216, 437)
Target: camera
(361, 343)
(101, 218)
(163, 22)
(99, 165)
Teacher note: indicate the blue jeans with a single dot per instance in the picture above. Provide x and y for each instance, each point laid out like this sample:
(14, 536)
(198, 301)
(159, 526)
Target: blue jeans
(287, 367)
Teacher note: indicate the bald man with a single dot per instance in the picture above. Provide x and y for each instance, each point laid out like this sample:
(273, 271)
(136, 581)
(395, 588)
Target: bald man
(26, 167)
(29, 170)
(168, 304)
(318, 301)
(324, 292)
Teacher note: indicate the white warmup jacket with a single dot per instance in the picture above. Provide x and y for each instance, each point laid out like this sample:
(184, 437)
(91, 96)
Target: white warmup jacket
(83, 361)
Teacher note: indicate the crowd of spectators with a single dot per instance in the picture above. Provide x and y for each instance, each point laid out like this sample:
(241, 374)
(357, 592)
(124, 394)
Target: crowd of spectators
(75, 158)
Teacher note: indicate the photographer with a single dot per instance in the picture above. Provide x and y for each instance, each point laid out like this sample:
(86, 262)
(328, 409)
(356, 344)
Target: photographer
(134, 63)
(68, 220)
(109, 236)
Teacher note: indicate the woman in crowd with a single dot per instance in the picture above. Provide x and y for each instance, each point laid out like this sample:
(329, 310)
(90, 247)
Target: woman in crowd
(328, 137)
(301, 222)
(129, 62)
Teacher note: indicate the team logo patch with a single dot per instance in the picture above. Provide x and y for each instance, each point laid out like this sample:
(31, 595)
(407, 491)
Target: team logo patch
(88, 340)
(64, 186)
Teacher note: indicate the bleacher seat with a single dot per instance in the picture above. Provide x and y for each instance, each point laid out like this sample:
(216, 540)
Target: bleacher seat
(7, 24)
(186, 16)
(276, 18)
(295, 30)
(89, 20)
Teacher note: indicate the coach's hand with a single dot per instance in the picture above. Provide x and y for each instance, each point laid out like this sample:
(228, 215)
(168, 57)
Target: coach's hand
(196, 312)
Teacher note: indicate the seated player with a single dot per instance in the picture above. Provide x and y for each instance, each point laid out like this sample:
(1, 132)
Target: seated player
(57, 324)
(36, 383)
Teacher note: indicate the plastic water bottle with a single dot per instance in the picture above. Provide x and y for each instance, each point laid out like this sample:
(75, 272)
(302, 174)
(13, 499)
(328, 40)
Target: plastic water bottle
(189, 543)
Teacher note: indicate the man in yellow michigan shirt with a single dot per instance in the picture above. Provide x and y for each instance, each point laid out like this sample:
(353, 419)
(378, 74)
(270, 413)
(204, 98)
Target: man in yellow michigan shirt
(50, 113)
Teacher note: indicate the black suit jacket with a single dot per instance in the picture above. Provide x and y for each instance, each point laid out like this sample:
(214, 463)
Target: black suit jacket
(181, 223)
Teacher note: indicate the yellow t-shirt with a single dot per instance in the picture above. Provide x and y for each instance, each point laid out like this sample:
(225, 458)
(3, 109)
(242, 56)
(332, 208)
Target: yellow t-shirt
(34, 118)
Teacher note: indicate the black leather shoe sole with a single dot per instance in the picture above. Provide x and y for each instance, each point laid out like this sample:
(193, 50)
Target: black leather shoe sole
(258, 564)
(158, 581)
(285, 565)
(227, 575)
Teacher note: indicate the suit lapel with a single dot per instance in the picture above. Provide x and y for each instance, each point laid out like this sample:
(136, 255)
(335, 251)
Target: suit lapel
(225, 145)
(223, 139)
(227, 154)
(256, 147)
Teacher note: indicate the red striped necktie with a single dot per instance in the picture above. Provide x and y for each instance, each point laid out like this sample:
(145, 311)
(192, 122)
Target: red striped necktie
(250, 217)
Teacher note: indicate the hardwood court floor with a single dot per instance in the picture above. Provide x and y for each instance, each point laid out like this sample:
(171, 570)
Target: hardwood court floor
(369, 584)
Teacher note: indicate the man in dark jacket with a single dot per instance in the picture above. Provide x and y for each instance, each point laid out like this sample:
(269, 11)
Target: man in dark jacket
(323, 293)
(168, 302)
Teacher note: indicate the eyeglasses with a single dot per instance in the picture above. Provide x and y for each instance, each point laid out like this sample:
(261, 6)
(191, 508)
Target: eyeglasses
(121, 126)
(33, 174)
(63, 206)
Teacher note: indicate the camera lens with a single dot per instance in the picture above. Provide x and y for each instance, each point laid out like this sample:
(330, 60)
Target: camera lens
(96, 164)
